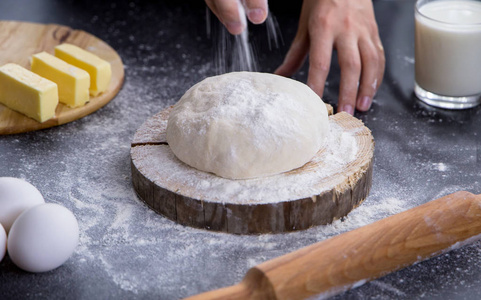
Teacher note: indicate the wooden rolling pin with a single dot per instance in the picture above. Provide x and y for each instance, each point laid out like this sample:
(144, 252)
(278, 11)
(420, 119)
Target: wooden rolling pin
(352, 258)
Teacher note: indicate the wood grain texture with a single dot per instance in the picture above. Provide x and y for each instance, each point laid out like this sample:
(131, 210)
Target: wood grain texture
(20, 40)
(187, 206)
(350, 259)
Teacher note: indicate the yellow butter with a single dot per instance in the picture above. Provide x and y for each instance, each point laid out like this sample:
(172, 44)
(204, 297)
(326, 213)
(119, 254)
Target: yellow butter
(27, 92)
(73, 83)
(99, 69)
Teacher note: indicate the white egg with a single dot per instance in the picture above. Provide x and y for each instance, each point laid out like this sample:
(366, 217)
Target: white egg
(3, 242)
(43, 237)
(16, 195)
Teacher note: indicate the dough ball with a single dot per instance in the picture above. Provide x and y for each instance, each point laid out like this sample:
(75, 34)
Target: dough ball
(16, 195)
(246, 125)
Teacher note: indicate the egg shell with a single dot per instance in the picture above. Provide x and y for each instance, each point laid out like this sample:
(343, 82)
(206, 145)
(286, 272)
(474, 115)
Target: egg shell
(16, 195)
(3, 242)
(43, 238)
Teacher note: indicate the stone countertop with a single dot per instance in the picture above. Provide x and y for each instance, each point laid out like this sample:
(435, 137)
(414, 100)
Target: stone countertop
(127, 251)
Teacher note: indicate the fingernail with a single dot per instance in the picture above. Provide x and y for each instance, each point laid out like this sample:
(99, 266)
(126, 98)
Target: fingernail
(235, 27)
(365, 103)
(348, 108)
(256, 15)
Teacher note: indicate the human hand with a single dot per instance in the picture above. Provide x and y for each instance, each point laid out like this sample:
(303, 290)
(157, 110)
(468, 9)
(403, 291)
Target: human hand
(229, 13)
(349, 27)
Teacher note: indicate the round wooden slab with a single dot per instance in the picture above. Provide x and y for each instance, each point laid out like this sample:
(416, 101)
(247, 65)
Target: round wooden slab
(327, 188)
(20, 40)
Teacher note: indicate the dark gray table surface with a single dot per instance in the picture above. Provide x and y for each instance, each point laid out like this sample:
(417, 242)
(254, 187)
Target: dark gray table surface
(127, 251)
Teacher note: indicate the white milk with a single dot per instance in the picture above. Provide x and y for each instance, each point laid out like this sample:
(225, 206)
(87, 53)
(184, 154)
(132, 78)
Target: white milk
(448, 47)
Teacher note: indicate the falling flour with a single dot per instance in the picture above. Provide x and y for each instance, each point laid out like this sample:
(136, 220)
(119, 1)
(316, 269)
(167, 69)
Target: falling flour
(236, 52)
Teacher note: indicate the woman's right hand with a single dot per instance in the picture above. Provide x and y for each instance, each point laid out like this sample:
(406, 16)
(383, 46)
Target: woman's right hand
(229, 13)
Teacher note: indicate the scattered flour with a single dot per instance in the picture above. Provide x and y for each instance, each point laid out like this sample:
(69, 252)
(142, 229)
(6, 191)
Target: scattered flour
(388, 287)
(440, 166)
(408, 59)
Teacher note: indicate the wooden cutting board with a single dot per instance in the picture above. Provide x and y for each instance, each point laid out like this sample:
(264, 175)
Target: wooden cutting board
(198, 199)
(19, 40)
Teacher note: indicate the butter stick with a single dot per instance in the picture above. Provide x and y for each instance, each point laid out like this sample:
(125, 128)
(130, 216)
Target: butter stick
(99, 70)
(27, 92)
(73, 83)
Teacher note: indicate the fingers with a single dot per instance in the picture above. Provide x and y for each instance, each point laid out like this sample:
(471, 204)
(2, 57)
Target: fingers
(295, 57)
(227, 11)
(362, 65)
(369, 76)
(350, 64)
(256, 10)
(319, 58)
(382, 62)
(373, 62)
(319, 61)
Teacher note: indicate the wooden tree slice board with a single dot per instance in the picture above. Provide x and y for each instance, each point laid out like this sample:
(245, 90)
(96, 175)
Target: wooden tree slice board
(20, 40)
(319, 192)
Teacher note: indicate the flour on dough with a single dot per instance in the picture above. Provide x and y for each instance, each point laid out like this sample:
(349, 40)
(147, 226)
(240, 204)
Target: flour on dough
(245, 125)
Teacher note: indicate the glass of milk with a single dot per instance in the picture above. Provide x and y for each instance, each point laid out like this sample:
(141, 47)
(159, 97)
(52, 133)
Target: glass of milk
(448, 53)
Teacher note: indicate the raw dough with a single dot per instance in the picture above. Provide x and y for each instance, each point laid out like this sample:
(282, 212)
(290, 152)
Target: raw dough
(245, 125)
